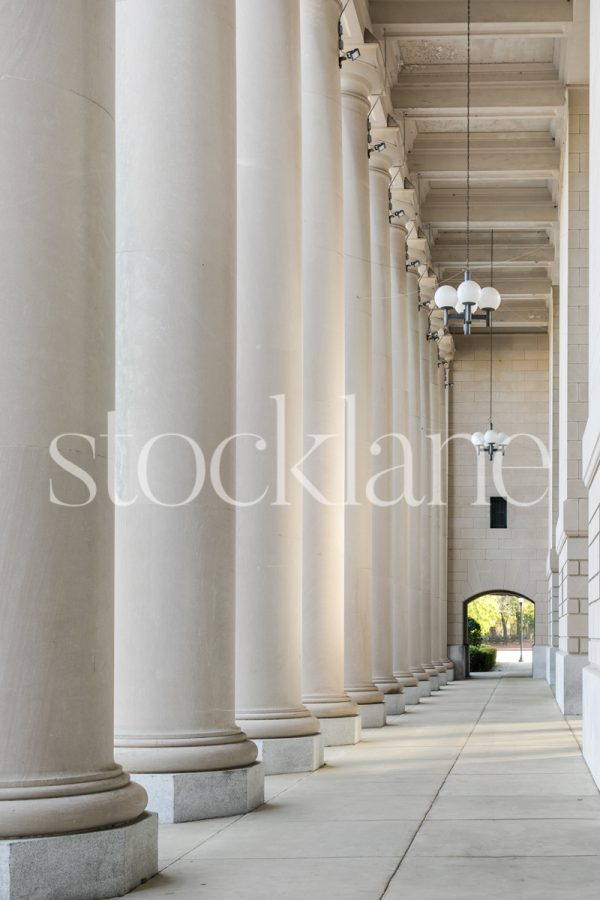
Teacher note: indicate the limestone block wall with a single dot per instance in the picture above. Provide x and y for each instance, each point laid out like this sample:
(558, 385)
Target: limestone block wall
(480, 558)
(591, 440)
(571, 533)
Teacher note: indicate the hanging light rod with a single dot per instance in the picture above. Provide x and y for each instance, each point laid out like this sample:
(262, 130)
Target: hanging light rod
(492, 441)
(470, 296)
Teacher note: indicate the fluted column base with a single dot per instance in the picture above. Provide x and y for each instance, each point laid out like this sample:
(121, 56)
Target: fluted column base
(54, 806)
(370, 704)
(192, 777)
(287, 740)
(432, 674)
(423, 682)
(410, 687)
(338, 717)
(60, 867)
(191, 796)
(173, 753)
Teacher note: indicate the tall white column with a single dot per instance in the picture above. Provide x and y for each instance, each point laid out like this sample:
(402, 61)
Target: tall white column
(324, 373)
(436, 521)
(57, 772)
(175, 578)
(269, 391)
(427, 564)
(415, 510)
(400, 426)
(358, 80)
(381, 308)
(445, 410)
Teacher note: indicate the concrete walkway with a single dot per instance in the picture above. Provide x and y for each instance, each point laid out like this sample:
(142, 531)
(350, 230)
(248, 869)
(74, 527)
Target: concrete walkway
(479, 792)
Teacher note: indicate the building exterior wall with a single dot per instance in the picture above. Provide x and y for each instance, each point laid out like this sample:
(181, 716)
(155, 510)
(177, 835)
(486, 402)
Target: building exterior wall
(482, 559)
(591, 440)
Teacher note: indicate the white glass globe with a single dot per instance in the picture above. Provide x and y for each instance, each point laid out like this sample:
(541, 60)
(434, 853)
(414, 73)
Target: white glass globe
(477, 439)
(469, 293)
(460, 308)
(446, 297)
(502, 439)
(490, 437)
(490, 299)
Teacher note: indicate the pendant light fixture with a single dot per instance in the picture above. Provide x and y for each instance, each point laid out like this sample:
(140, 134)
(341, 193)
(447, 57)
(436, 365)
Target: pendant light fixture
(469, 297)
(491, 441)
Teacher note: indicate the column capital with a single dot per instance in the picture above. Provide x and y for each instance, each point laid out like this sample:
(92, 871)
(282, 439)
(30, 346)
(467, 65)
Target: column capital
(360, 77)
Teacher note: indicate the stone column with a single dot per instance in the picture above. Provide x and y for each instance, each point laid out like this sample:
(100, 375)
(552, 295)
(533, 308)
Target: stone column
(358, 80)
(400, 425)
(269, 393)
(426, 557)
(324, 409)
(415, 510)
(381, 307)
(65, 806)
(553, 441)
(176, 283)
(572, 527)
(434, 518)
(445, 404)
(591, 439)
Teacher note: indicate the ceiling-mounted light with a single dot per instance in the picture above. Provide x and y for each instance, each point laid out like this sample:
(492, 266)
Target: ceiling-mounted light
(469, 296)
(490, 441)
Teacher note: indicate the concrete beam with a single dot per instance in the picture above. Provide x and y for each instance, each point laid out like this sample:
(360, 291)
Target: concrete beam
(533, 208)
(448, 12)
(503, 98)
(452, 255)
(503, 162)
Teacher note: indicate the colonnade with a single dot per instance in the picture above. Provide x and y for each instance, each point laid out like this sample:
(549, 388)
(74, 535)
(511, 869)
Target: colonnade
(263, 312)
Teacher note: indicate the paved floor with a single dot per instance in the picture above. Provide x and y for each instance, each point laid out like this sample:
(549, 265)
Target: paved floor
(479, 792)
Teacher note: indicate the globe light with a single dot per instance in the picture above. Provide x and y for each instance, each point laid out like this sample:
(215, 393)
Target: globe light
(469, 293)
(502, 439)
(490, 299)
(446, 297)
(460, 308)
(477, 439)
(490, 437)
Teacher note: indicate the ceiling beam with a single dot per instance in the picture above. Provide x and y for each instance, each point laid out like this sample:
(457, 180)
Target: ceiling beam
(513, 255)
(502, 98)
(448, 12)
(490, 212)
(503, 162)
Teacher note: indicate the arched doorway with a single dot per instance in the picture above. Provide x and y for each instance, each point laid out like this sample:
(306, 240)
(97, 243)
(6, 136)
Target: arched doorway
(499, 631)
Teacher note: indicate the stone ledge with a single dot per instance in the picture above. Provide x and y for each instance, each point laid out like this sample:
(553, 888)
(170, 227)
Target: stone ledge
(88, 865)
(394, 704)
(191, 796)
(411, 695)
(372, 715)
(281, 756)
(340, 731)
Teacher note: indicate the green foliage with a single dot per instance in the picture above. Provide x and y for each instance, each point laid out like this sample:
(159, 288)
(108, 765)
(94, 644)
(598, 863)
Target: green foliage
(482, 658)
(498, 615)
(474, 629)
(486, 611)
